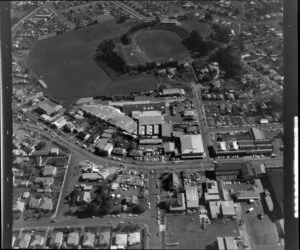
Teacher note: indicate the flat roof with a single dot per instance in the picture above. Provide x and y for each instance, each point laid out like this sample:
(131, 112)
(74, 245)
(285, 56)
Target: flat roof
(113, 116)
(192, 197)
(191, 144)
(151, 119)
(231, 243)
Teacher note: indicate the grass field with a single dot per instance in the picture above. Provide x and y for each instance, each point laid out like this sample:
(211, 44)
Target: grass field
(189, 234)
(65, 62)
(159, 45)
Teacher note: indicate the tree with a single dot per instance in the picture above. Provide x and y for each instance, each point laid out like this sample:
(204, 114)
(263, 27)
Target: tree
(141, 208)
(40, 145)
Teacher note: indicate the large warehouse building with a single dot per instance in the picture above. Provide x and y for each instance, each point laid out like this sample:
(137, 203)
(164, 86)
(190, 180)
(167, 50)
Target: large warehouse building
(192, 146)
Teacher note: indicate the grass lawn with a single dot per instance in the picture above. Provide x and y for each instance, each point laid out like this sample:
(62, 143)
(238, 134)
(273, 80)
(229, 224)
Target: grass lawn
(160, 45)
(190, 235)
(66, 64)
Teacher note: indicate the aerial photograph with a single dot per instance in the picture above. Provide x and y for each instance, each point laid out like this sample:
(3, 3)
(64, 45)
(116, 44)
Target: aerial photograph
(148, 124)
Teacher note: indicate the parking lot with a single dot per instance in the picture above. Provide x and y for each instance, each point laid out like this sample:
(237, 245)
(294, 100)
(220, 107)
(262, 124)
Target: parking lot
(262, 232)
(190, 235)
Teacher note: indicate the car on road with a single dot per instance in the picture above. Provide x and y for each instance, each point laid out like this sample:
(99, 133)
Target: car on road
(129, 215)
(53, 221)
(121, 222)
(158, 222)
(134, 215)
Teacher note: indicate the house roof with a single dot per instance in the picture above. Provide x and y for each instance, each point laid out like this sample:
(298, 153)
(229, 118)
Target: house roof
(19, 206)
(134, 238)
(104, 238)
(58, 239)
(85, 197)
(46, 204)
(121, 239)
(38, 241)
(73, 238)
(191, 144)
(24, 241)
(88, 239)
(49, 171)
(34, 203)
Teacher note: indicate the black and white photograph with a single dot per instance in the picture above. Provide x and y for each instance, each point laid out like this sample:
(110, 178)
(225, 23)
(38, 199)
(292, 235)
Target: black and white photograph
(149, 124)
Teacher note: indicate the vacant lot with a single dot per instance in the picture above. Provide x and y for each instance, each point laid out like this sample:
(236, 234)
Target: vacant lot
(190, 235)
(66, 64)
(160, 45)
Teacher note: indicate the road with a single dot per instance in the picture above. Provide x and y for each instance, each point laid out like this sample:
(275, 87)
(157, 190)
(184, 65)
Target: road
(31, 14)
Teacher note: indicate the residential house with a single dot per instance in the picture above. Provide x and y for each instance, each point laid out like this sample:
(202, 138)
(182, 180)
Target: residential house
(88, 240)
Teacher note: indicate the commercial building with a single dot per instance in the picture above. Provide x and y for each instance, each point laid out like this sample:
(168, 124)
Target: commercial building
(246, 195)
(179, 205)
(173, 92)
(169, 148)
(192, 146)
(228, 170)
(48, 107)
(166, 130)
(129, 108)
(112, 116)
(192, 197)
(223, 209)
(59, 123)
(227, 243)
(148, 118)
(257, 134)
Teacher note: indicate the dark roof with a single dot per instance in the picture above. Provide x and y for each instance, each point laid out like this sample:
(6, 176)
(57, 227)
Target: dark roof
(276, 181)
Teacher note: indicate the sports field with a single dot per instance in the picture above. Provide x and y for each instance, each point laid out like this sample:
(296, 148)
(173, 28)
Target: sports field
(159, 45)
(65, 62)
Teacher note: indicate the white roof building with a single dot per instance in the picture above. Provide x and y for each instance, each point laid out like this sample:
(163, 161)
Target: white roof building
(49, 171)
(134, 238)
(121, 240)
(192, 146)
